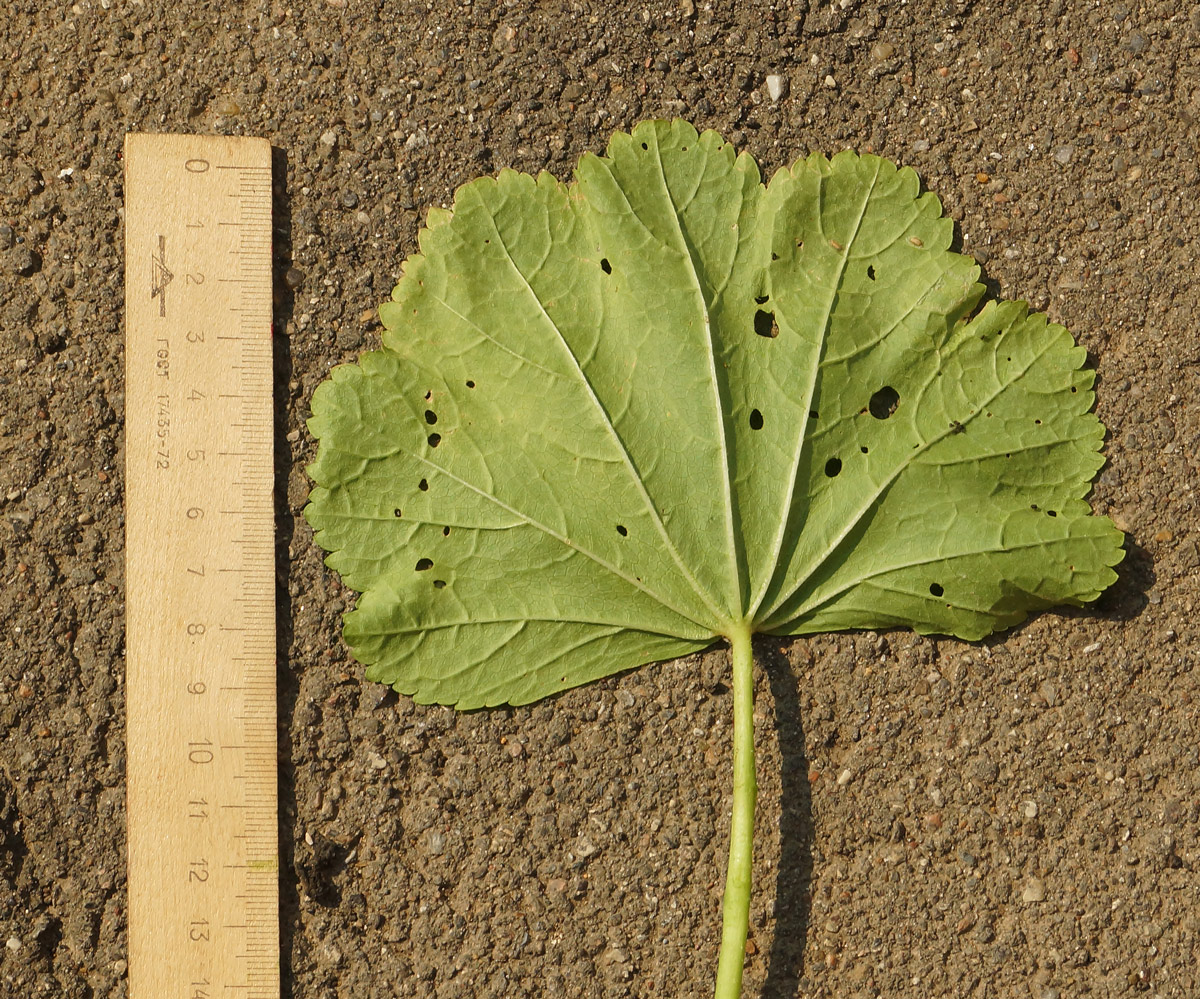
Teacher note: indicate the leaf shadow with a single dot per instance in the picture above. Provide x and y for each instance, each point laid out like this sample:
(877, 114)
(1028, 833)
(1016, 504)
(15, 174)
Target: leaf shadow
(1130, 594)
(793, 879)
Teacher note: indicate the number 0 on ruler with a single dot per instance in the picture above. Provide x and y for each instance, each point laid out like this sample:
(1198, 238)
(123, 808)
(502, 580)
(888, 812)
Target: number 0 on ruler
(200, 572)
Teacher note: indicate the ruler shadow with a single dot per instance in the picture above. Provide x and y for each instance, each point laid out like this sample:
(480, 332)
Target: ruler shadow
(287, 681)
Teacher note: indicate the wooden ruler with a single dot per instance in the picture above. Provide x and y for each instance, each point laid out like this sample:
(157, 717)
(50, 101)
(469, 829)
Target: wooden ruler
(200, 570)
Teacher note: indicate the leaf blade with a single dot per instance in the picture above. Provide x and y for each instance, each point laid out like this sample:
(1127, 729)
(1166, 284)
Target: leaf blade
(613, 419)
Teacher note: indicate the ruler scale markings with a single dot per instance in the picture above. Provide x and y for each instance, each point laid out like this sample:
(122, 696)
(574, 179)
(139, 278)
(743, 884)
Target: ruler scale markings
(202, 817)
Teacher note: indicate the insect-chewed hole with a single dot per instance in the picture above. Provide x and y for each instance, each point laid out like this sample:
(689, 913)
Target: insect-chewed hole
(1037, 423)
(430, 417)
(429, 395)
(864, 449)
(445, 532)
(434, 440)
(423, 485)
(424, 564)
(1074, 388)
(644, 146)
(833, 467)
(439, 584)
(774, 255)
(756, 420)
(1051, 513)
(761, 299)
(765, 325)
(605, 265)
(398, 512)
(936, 589)
(623, 530)
(470, 383)
(813, 414)
(884, 402)
(870, 272)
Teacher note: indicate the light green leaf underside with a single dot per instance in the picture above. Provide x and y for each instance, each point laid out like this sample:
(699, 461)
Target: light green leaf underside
(668, 398)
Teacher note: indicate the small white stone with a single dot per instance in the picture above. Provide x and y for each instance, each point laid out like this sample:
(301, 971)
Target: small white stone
(1029, 809)
(844, 777)
(830, 82)
(936, 796)
(12, 944)
(776, 87)
(329, 138)
(1035, 891)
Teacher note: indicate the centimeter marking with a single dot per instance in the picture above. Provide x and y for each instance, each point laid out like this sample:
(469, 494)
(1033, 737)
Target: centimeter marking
(201, 766)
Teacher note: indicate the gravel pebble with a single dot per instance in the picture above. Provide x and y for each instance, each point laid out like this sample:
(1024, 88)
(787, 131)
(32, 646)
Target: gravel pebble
(22, 261)
(1035, 891)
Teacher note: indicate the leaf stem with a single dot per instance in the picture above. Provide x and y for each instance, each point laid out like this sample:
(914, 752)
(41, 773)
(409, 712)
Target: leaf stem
(735, 909)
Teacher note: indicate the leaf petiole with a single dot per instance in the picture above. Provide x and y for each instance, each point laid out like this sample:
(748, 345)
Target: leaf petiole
(735, 908)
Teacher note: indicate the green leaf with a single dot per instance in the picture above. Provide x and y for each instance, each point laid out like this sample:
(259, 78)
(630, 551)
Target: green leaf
(615, 420)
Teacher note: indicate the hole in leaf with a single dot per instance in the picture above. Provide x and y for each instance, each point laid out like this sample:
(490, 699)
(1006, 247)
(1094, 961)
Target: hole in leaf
(1033, 507)
(756, 420)
(439, 584)
(397, 512)
(833, 466)
(429, 395)
(884, 402)
(435, 440)
(430, 417)
(762, 299)
(623, 530)
(470, 383)
(644, 146)
(445, 532)
(1037, 423)
(424, 564)
(774, 256)
(870, 272)
(863, 449)
(1074, 388)
(423, 485)
(813, 414)
(605, 265)
(936, 589)
(764, 324)
(799, 244)
(1051, 513)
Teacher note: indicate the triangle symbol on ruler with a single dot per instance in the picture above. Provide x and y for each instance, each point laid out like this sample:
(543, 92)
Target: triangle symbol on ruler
(161, 276)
